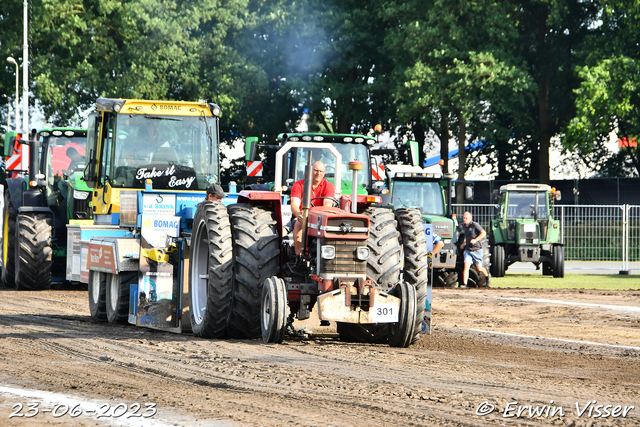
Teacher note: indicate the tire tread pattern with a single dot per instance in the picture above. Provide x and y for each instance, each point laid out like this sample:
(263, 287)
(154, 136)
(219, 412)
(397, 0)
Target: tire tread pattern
(383, 267)
(256, 257)
(98, 309)
(416, 259)
(217, 232)
(121, 314)
(33, 252)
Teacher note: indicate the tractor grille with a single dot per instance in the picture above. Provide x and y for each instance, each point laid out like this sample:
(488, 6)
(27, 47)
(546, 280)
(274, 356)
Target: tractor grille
(81, 209)
(355, 223)
(345, 261)
(444, 229)
(532, 235)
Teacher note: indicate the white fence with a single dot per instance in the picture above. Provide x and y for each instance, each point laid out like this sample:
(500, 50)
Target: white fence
(603, 237)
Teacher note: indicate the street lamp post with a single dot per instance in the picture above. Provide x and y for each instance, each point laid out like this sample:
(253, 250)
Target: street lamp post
(10, 60)
(8, 114)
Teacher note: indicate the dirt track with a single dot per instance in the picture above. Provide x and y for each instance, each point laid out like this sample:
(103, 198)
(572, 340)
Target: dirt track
(49, 344)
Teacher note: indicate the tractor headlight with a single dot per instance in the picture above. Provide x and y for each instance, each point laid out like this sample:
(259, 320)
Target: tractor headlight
(80, 195)
(328, 252)
(362, 253)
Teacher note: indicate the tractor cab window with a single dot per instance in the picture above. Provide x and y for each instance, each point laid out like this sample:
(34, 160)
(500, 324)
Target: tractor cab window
(349, 153)
(500, 212)
(176, 152)
(422, 195)
(65, 154)
(523, 205)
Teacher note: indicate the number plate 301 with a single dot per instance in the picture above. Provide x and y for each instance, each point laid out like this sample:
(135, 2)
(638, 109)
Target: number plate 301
(385, 313)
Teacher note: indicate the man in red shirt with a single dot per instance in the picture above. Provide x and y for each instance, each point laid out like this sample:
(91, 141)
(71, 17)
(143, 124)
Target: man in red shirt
(320, 187)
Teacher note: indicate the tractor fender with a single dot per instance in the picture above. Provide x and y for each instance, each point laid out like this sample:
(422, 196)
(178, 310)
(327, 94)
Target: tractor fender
(14, 187)
(31, 209)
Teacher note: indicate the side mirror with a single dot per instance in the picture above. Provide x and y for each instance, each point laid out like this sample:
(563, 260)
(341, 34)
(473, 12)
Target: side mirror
(558, 195)
(468, 193)
(413, 153)
(250, 148)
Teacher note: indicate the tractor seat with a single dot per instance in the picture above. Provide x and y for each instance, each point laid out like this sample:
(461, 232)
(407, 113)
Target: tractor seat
(165, 155)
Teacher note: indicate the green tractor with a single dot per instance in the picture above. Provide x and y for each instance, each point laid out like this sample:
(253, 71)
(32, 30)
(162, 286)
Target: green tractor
(62, 162)
(37, 209)
(426, 189)
(524, 230)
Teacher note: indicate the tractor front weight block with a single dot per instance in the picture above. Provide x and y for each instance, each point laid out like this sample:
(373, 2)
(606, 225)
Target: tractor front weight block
(338, 306)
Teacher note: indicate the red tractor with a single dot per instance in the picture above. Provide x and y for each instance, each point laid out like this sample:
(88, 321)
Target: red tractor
(247, 282)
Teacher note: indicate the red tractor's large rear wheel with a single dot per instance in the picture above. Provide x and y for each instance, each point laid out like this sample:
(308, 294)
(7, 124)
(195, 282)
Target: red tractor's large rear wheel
(256, 257)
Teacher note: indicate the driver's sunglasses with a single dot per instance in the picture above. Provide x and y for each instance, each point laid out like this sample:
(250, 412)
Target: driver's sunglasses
(318, 171)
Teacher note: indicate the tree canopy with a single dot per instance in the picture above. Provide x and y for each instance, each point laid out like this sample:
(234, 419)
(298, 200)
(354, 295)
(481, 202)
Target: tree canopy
(509, 74)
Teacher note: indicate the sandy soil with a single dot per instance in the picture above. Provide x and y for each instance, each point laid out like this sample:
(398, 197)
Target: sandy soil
(474, 362)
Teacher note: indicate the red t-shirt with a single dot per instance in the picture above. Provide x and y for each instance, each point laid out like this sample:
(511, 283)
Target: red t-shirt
(324, 189)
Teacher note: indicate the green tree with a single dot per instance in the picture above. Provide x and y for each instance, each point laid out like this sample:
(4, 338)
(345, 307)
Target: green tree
(454, 71)
(552, 42)
(10, 45)
(149, 49)
(607, 100)
(349, 73)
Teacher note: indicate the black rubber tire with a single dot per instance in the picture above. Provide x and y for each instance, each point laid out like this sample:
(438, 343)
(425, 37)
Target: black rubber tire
(547, 268)
(256, 257)
(475, 280)
(97, 288)
(384, 262)
(402, 334)
(274, 310)
(210, 271)
(474, 277)
(416, 260)
(33, 255)
(445, 279)
(117, 289)
(9, 245)
(383, 267)
(558, 261)
(497, 261)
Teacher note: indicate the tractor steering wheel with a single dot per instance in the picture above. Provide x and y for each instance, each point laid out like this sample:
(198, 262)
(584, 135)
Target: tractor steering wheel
(334, 201)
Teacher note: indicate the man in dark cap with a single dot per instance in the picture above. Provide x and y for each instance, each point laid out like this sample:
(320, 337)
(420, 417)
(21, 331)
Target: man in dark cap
(215, 193)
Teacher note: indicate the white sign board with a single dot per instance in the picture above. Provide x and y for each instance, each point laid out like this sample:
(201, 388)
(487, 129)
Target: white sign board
(159, 204)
